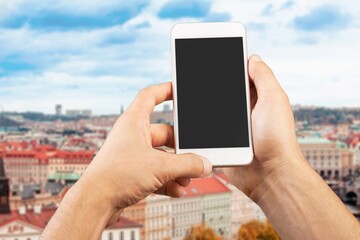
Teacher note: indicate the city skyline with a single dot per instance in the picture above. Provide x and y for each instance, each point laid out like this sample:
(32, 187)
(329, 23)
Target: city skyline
(99, 55)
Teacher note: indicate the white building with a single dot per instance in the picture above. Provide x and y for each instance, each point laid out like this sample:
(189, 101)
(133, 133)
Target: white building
(243, 209)
(28, 225)
(323, 155)
(186, 212)
(158, 217)
(207, 201)
(124, 229)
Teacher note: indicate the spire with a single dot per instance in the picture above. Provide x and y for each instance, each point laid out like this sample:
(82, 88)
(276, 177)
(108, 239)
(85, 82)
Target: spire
(2, 169)
(121, 109)
(4, 189)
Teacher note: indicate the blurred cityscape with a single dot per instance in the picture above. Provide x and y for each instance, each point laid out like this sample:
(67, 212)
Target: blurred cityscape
(43, 155)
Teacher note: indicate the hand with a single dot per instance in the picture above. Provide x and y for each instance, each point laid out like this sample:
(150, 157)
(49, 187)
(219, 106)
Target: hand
(128, 168)
(273, 130)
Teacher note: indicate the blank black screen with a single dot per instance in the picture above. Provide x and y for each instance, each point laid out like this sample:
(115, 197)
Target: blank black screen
(211, 97)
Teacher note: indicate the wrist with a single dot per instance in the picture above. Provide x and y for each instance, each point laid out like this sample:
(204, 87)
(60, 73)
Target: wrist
(91, 187)
(279, 177)
(93, 201)
(83, 213)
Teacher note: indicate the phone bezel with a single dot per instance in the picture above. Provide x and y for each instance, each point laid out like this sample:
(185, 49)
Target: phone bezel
(232, 156)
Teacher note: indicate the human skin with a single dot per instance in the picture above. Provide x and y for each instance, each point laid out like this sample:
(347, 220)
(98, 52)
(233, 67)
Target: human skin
(294, 198)
(128, 168)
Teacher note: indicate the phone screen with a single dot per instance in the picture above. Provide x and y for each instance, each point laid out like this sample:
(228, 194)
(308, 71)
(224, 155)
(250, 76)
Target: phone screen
(211, 93)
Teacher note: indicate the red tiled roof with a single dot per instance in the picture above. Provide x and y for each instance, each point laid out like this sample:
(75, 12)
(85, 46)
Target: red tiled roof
(38, 220)
(125, 223)
(202, 186)
(44, 152)
(45, 148)
(42, 219)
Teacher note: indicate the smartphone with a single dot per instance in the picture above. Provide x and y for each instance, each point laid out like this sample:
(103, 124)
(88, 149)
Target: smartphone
(211, 92)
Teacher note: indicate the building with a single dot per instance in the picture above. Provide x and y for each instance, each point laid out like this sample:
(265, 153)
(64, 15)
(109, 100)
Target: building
(25, 167)
(73, 112)
(347, 159)
(354, 147)
(137, 213)
(123, 229)
(216, 205)
(29, 224)
(4, 190)
(86, 112)
(205, 200)
(158, 217)
(162, 117)
(243, 209)
(38, 164)
(186, 212)
(67, 166)
(58, 109)
(323, 155)
(79, 112)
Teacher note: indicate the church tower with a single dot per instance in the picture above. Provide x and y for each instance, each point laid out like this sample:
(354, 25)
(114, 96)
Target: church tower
(4, 189)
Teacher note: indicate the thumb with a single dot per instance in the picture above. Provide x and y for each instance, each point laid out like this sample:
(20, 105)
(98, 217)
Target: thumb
(186, 165)
(263, 78)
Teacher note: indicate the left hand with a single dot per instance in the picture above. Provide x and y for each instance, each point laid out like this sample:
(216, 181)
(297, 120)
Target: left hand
(128, 166)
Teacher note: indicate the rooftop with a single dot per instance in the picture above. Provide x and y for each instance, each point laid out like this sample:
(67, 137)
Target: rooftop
(202, 186)
(40, 220)
(313, 140)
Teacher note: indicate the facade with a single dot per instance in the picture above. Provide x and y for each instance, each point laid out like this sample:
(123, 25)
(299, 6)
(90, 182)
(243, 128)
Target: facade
(186, 212)
(25, 167)
(158, 217)
(205, 200)
(29, 165)
(323, 155)
(28, 225)
(78, 112)
(123, 229)
(137, 213)
(58, 109)
(68, 166)
(217, 213)
(243, 209)
(354, 148)
(4, 190)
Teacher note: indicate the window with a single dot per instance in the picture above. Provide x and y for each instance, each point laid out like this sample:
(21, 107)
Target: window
(132, 235)
(122, 235)
(110, 236)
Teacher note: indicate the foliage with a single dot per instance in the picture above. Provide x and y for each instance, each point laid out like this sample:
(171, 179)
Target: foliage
(201, 232)
(256, 230)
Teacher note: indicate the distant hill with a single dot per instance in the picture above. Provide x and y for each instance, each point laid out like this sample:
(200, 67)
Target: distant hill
(321, 115)
(41, 117)
(8, 123)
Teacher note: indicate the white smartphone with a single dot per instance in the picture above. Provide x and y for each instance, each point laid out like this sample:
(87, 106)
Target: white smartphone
(211, 92)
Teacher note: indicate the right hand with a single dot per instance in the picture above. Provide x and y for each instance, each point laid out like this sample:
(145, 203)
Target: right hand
(273, 131)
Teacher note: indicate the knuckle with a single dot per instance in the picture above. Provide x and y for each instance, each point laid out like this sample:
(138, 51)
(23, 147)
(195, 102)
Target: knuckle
(146, 94)
(143, 92)
(163, 168)
(196, 164)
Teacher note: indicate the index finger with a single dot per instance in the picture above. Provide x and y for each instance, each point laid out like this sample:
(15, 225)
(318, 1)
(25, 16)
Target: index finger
(149, 97)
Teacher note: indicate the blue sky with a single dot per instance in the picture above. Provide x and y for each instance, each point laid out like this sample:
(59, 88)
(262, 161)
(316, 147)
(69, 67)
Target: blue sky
(99, 54)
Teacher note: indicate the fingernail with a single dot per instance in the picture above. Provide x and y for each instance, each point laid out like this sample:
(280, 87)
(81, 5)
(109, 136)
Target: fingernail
(256, 58)
(207, 167)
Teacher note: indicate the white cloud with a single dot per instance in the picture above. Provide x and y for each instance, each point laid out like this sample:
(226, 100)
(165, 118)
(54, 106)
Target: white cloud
(80, 69)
